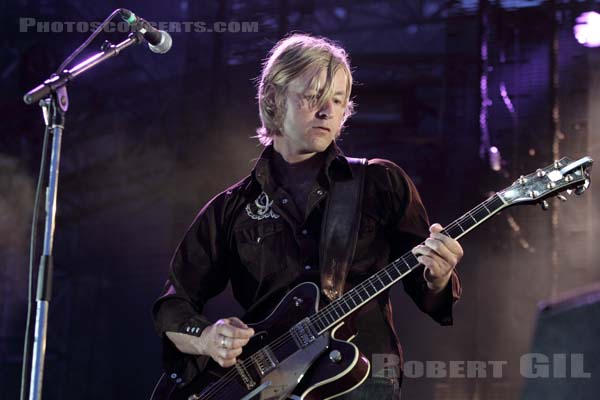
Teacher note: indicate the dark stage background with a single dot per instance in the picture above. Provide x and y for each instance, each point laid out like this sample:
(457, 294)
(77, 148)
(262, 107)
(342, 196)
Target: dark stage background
(150, 138)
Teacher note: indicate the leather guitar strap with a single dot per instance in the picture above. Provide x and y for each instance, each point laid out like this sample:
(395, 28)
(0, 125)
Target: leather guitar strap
(339, 230)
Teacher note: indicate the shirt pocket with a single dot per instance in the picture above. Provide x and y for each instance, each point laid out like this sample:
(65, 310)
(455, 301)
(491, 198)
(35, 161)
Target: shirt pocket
(261, 248)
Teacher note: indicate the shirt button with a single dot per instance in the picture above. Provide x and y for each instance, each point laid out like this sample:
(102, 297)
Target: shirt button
(284, 201)
(304, 232)
(307, 267)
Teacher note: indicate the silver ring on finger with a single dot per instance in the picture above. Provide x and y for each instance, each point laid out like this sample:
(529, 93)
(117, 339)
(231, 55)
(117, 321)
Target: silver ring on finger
(223, 342)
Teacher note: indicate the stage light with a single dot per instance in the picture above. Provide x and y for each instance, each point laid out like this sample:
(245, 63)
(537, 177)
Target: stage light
(495, 159)
(587, 29)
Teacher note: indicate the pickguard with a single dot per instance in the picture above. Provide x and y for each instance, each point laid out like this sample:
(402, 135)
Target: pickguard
(290, 371)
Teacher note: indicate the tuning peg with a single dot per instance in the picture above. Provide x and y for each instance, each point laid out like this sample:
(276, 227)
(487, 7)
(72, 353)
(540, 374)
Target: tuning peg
(561, 197)
(545, 205)
(582, 188)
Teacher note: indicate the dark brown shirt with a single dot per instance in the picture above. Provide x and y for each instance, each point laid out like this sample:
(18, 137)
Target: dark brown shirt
(255, 237)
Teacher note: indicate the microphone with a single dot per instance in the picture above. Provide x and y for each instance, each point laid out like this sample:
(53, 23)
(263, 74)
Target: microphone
(158, 41)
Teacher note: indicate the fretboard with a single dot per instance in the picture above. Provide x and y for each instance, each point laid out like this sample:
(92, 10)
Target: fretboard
(361, 294)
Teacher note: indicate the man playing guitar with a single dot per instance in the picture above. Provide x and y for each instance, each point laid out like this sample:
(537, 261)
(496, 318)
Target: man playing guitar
(263, 234)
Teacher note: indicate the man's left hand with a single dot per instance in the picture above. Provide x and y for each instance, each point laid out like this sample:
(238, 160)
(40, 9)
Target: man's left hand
(439, 254)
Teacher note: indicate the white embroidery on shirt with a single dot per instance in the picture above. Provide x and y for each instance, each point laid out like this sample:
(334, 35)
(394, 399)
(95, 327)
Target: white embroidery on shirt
(263, 208)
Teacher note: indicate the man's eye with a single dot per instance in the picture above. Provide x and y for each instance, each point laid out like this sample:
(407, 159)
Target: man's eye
(310, 99)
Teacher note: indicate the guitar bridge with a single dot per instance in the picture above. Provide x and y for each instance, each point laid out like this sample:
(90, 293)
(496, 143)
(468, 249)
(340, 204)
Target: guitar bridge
(303, 333)
(246, 378)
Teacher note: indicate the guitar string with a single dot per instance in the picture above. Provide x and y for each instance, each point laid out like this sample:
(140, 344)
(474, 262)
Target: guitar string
(352, 294)
(329, 309)
(276, 345)
(383, 272)
(287, 338)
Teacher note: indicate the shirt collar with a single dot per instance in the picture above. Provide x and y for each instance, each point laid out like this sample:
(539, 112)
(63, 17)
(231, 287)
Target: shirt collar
(336, 166)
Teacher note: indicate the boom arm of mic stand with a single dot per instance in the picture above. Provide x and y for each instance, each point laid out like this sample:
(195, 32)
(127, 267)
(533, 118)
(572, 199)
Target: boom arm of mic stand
(51, 84)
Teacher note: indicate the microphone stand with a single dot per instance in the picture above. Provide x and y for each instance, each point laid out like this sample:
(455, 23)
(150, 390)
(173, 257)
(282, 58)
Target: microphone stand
(54, 105)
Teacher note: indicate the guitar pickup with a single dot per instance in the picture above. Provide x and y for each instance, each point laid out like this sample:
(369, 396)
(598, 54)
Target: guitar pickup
(264, 361)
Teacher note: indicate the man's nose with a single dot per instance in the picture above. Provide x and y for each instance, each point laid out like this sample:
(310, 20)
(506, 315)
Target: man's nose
(325, 111)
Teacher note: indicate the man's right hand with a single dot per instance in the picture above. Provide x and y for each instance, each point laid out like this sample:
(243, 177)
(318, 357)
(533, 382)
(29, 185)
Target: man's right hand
(222, 341)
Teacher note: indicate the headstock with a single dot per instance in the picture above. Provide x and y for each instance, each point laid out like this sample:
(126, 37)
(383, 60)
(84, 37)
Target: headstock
(561, 175)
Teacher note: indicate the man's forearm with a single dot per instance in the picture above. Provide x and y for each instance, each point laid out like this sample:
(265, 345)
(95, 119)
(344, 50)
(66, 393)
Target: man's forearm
(186, 343)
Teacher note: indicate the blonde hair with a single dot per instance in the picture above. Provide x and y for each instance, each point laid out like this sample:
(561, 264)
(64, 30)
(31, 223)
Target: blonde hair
(290, 58)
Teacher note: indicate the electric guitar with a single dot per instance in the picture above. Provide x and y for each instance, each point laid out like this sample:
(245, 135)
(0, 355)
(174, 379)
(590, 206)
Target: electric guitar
(300, 351)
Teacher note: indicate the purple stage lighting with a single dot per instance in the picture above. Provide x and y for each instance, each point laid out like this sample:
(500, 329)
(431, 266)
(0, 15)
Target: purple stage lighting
(587, 29)
(495, 159)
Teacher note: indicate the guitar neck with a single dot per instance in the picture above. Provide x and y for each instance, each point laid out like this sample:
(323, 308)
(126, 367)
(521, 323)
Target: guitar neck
(361, 294)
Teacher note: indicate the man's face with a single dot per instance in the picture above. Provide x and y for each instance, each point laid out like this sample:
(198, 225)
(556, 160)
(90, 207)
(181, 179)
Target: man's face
(308, 129)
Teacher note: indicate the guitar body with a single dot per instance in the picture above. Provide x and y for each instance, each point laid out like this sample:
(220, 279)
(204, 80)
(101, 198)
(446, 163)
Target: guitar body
(327, 379)
(326, 367)
(302, 352)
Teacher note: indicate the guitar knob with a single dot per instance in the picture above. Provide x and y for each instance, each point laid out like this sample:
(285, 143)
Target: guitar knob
(297, 301)
(545, 205)
(335, 356)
